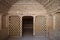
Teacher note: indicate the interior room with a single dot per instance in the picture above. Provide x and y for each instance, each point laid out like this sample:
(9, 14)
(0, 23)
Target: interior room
(29, 19)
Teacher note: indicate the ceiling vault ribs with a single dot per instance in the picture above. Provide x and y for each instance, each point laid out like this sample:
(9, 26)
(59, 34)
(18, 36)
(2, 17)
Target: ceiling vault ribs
(6, 4)
(48, 3)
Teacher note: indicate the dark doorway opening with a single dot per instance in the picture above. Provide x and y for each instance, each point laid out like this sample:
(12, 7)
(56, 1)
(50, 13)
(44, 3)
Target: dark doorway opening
(27, 25)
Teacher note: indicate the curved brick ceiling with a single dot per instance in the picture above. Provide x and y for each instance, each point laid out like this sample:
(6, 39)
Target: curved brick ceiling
(5, 5)
(27, 7)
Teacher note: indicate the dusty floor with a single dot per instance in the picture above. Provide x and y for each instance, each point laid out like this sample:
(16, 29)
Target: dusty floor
(28, 36)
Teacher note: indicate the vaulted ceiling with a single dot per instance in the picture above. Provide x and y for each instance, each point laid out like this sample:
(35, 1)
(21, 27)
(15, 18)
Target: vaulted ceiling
(48, 4)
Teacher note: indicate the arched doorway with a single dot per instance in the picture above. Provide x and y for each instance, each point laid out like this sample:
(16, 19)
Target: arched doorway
(27, 25)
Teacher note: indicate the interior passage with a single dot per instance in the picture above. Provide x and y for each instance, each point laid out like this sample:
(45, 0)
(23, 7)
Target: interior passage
(27, 23)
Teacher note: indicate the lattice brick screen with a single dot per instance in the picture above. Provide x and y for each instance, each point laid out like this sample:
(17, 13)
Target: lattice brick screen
(14, 26)
(40, 26)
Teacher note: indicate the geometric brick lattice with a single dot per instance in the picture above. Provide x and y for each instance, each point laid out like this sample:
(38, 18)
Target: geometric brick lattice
(14, 26)
(40, 26)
